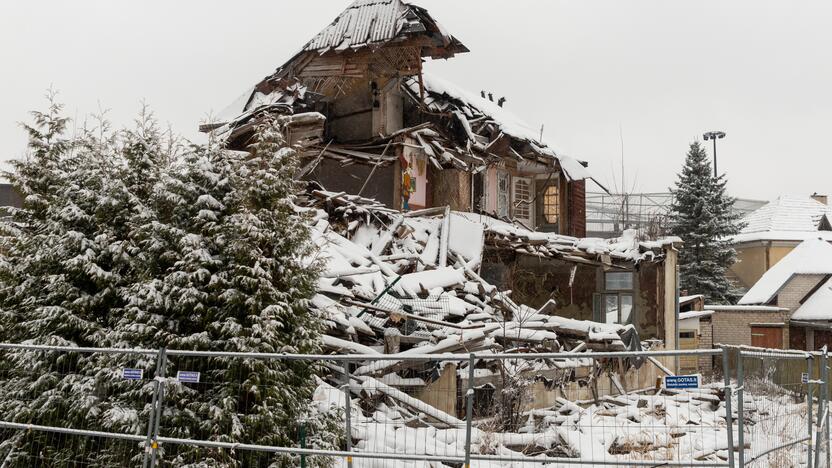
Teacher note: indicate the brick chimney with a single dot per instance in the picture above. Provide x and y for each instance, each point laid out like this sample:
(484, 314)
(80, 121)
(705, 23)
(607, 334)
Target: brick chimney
(821, 198)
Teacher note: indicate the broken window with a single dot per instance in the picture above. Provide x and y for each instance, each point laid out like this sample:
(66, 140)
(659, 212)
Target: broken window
(618, 280)
(615, 304)
(551, 204)
(522, 201)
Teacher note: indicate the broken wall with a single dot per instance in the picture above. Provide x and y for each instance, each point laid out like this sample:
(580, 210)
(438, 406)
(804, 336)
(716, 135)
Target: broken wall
(534, 281)
(450, 187)
(337, 178)
(350, 116)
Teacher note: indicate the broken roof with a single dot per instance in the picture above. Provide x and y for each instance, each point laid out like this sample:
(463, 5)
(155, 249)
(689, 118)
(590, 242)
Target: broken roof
(789, 217)
(627, 248)
(414, 275)
(471, 109)
(368, 23)
(813, 256)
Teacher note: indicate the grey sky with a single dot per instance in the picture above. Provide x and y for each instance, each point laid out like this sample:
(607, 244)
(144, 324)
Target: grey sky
(665, 71)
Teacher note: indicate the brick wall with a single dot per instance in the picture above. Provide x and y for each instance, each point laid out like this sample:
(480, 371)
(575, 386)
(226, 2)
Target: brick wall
(734, 326)
(706, 341)
(796, 289)
(577, 208)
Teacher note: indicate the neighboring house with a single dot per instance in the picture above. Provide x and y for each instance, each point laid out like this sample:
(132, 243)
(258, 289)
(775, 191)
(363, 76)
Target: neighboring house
(795, 291)
(370, 122)
(775, 230)
(750, 325)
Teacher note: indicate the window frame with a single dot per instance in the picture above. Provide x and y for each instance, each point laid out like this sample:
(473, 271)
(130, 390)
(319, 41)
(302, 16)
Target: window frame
(601, 298)
(628, 287)
(549, 203)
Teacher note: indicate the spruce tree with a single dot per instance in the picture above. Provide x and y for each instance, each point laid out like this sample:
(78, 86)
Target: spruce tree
(702, 216)
(128, 239)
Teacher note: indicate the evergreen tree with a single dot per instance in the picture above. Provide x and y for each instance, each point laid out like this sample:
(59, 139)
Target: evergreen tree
(702, 216)
(127, 239)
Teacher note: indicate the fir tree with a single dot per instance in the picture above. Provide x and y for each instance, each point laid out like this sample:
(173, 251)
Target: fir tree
(702, 216)
(127, 239)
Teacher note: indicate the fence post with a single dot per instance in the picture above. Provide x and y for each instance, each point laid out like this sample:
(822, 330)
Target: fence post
(819, 444)
(729, 416)
(154, 444)
(151, 416)
(740, 409)
(348, 412)
(825, 373)
(809, 402)
(469, 410)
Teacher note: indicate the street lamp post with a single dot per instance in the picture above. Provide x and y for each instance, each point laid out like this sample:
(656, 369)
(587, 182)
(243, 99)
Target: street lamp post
(718, 135)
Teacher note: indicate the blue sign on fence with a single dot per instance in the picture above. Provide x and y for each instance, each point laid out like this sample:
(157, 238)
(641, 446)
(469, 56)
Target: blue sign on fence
(132, 374)
(680, 382)
(187, 376)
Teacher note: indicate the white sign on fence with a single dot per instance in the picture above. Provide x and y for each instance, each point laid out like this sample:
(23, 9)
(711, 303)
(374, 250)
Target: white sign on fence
(804, 377)
(681, 382)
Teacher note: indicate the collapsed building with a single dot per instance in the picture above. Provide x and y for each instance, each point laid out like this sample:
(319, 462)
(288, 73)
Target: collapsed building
(370, 122)
(447, 225)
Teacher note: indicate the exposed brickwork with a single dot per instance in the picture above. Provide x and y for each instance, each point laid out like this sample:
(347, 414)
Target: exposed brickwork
(734, 327)
(796, 289)
(577, 208)
(706, 341)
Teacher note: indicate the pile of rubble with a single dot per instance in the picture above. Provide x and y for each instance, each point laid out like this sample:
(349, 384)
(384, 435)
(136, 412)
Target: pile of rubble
(408, 283)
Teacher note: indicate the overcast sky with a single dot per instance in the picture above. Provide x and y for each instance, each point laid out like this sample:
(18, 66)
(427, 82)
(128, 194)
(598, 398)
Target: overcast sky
(661, 71)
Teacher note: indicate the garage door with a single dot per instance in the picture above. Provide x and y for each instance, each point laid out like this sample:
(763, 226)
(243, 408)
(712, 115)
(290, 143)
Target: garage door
(767, 337)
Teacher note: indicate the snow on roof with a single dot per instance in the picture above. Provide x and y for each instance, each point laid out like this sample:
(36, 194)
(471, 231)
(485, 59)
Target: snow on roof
(695, 314)
(685, 299)
(789, 217)
(745, 308)
(374, 22)
(818, 306)
(509, 124)
(502, 234)
(813, 256)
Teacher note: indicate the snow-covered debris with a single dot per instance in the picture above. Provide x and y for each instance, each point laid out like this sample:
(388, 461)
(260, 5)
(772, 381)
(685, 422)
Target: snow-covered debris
(406, 285)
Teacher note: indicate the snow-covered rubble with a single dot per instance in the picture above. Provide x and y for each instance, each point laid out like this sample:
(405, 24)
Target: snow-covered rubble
(663, 425)
(407, 286)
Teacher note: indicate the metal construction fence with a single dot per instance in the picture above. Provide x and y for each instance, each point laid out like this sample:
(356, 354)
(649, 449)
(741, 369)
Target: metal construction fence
(68, 406)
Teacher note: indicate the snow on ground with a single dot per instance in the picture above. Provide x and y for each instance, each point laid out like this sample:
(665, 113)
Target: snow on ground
(666, 426)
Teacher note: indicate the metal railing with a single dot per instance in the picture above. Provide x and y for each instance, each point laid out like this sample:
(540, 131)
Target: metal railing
(142, 407)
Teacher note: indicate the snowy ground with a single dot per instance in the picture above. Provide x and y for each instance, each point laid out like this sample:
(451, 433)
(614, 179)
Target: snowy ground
(688, 427)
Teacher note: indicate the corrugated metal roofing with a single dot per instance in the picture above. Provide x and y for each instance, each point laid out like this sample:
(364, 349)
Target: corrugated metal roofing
(362, 23)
